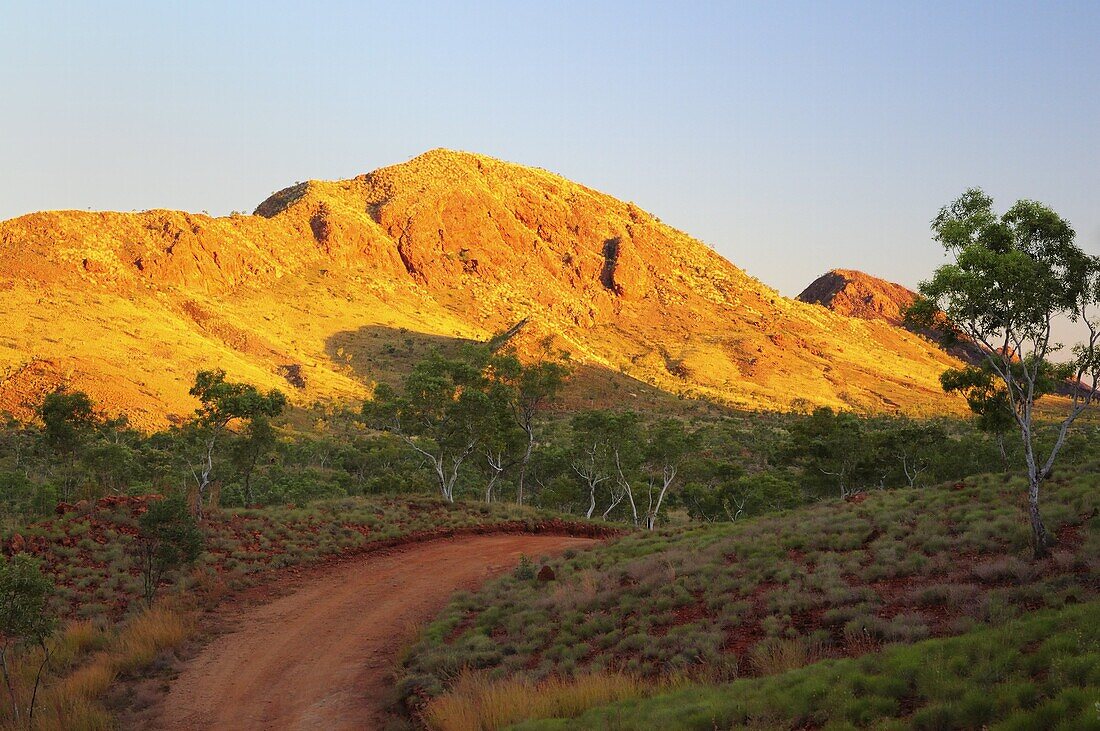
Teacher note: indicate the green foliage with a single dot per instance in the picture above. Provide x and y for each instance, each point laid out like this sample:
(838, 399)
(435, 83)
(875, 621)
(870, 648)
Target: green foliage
(256, 440)
(985, 395)
(832, 449)
(525, 571)
(25, 618)
(168, 539)
(718, 492)
(68, 417)
(1011, 273)
(1012, 276)
(731, 467)
(481, 403)
(24, 596)
(223, 401)
(443, 412)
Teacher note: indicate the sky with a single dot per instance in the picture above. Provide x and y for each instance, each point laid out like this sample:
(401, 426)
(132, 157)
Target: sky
(791, 137)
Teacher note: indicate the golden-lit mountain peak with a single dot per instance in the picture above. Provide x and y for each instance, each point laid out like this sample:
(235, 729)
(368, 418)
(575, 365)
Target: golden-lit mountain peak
(332, 281)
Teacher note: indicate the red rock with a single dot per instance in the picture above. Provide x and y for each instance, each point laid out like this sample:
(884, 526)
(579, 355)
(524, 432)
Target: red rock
(16, 544)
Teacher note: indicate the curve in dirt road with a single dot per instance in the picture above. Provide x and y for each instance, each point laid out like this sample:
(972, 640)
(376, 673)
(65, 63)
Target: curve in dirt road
(319, 657)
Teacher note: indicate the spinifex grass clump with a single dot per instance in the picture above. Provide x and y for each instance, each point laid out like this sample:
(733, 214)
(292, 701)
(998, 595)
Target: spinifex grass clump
(836, 579)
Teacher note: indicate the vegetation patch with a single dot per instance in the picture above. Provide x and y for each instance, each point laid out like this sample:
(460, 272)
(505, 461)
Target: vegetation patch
(1042, 671)
(838, 579)
(94, 556)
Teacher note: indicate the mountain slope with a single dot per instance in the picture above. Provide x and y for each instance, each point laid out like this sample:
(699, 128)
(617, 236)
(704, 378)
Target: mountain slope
(317, 290)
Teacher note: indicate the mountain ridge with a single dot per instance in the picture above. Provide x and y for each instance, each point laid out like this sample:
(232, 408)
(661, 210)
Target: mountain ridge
(448, 244)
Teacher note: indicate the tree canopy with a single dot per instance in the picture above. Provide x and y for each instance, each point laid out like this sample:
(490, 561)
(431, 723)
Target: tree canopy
(1013, 277)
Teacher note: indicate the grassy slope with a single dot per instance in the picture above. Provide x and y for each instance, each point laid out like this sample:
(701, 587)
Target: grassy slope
(829, 581)
(1040, 672)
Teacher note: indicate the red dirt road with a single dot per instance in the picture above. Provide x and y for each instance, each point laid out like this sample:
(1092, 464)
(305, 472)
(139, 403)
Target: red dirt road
(319, 658)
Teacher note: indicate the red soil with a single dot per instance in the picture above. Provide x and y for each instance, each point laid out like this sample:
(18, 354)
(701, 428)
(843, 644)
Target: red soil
(320, 657)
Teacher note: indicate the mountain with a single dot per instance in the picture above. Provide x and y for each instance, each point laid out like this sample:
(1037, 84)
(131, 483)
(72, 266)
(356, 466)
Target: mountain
(855, 294)
(330, 286)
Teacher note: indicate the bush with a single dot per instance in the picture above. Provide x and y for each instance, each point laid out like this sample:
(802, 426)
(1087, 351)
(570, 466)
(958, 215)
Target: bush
(525, 571)
(168, 538)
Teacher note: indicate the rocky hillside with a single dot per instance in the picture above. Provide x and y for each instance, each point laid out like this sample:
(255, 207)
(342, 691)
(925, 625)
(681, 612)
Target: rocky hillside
(328, 284)
(855, 294)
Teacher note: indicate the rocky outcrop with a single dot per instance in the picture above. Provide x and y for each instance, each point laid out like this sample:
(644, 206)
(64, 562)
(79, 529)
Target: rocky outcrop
(855, 294)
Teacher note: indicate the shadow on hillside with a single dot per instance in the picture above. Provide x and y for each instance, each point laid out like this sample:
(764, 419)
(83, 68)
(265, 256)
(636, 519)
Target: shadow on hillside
(384, 355)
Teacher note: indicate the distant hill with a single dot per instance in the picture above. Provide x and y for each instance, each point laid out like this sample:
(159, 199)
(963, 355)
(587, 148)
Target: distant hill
(856, 294)
(331, 286)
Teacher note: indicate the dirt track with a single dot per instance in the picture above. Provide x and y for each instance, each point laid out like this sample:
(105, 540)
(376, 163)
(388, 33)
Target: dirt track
(319, 657)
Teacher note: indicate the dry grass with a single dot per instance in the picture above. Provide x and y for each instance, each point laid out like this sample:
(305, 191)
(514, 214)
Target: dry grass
(85, 661)
(150, 633)
(88, 682)
(477, 703)
(772, 657)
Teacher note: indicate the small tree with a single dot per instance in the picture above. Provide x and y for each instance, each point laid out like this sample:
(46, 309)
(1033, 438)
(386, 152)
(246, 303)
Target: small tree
(592, 454)
(24, 619)
(168, 538)
(832, 448)
(608, 448)
(67, 417)
(534, 386)
(501, 438)
(666, 446)
(909, 445)
(1012, 277)
(222, 403)
(734, 495)
(69, 420)
(256, 440)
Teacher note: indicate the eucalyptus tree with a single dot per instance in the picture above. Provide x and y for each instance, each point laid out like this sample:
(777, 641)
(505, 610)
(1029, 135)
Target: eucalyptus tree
(69, 421)
(222, 403)
(533, 387)
(256, 440)
(667, 444)
(593, 454)
(442, 413)
(168, 538)
(1012, 278)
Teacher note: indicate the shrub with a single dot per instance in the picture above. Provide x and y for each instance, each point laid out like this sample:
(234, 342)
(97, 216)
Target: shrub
(778, 655)
(168, 538)
(525, 571)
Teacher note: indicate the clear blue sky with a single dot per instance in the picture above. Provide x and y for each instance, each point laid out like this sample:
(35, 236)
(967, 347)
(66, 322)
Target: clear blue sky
(792, 137)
